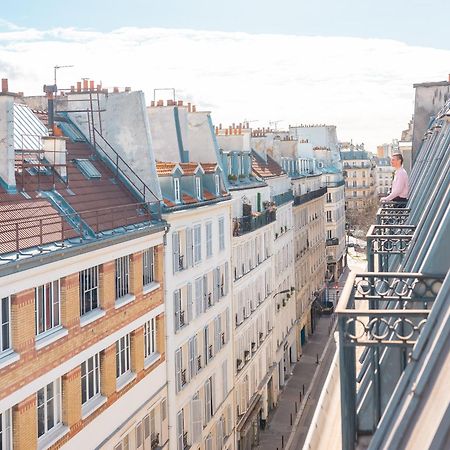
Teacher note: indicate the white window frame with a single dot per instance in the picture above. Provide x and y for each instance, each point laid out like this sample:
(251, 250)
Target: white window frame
(90, 372)
(198, 187)
(54, 314)
(122, 277)
(148, 266)
(217, 184)
(221, 233)
(150, 337)
(177, 190)
(49, 404)
(6, 430)
(197, 243)
(89, 290)
(209, 244)
(5, 323)
(123, 365)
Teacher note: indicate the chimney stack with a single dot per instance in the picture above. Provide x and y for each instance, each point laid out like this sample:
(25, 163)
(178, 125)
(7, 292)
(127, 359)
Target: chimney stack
(4, 85)
(194, 108)
(91, 85)
(78, 86)
(189, 107)
(85, 85)
(116, 89)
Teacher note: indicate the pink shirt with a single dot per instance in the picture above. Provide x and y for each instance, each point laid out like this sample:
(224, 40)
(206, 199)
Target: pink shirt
(400, 185)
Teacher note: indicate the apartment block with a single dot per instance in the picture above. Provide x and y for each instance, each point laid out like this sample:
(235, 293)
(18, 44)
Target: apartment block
(197, 207)
(83, 354)
(384, 175)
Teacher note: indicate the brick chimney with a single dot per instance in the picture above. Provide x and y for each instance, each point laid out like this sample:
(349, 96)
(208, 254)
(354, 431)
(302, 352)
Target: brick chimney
(5, 85)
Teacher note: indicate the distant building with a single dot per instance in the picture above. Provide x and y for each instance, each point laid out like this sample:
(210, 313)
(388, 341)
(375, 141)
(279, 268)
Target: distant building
(359, 178)
(384, 174)
(430, 97)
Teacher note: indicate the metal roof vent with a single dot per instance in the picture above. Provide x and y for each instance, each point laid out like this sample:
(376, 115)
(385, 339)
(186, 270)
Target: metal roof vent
(87, 168)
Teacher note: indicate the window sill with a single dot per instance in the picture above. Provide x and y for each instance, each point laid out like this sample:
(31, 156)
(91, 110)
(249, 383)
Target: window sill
(48, 439)
(122, 301)
(49, 337)
(124, 379)
(90, 406)
(91, 316)
(150, 287)
(8, 357)
(151, 359)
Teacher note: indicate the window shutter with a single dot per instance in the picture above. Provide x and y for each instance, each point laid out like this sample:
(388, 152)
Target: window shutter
(226, 278)
(176, 251)
(205, 292)
(189, 246)
(177, 308)
(198, 296)
(215, 286)
(189, 302)
(180, 430)
(178, 365)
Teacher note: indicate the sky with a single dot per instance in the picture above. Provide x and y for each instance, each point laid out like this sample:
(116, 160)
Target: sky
(351, 63)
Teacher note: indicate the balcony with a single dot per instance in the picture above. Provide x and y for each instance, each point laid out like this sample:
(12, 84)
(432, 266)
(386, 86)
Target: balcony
(283, 198)
(384, 242)
(377, 312)
(335, 184)
(332, 241)
(302, 199)
(247, 224)
(388, 215)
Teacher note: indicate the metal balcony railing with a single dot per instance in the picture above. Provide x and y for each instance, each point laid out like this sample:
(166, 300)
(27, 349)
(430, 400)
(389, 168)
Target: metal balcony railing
(388, 215)
(246, 224)
(332, 241)
(301, 199)
(377, 311)
(335, 184)
(283, 198)
(385, 241)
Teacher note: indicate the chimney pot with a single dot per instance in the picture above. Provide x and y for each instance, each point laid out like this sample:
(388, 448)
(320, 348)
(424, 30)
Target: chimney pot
(189, 107)
(72, 88)
(91, 85)
(128, 89)
(4, 84)
(99, 87)
(152, 103)
(78, 86)
(20, 94)
(116, 89)
(160, 103)
(194, 108)
(169, 102)
(85, 85)
(180, 102)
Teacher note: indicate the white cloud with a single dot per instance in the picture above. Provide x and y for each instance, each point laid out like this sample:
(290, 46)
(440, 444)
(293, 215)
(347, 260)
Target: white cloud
(364, 86)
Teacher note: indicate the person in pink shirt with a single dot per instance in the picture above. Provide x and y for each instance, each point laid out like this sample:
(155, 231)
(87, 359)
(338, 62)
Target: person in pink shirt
(400, 185)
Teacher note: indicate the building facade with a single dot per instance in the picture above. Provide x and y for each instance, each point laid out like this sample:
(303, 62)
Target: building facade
(82, 361)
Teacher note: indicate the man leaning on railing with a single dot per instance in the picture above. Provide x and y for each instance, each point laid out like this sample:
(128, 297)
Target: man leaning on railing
(400, 186)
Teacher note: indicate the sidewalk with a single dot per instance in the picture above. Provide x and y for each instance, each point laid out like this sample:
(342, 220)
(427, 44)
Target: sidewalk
(279, 426)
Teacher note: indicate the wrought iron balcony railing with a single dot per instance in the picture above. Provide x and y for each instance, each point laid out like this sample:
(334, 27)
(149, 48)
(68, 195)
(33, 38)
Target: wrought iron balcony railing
(332, 241)
(377, 311)
(301, 199)
(246, 224)
(392, 216)
(283, 198)
(385, 241)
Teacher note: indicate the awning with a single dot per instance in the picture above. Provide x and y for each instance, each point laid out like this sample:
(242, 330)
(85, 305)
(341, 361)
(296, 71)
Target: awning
(253, 409)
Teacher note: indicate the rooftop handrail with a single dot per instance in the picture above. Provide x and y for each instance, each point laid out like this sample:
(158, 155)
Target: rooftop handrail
(300, 199)
(245, 224)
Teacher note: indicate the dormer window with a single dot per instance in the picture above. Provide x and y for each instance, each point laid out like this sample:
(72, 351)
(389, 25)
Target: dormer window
(176, 189)
(198, 187)
(217, 184)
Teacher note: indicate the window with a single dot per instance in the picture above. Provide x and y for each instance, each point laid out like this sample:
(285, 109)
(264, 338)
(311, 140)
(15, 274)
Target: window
(180, 431)
(329, 217)
(5, 323)
(149, 338)
(176, 189)
(208, 400)
(329, 235)
(196, 417)
(197, 244)
(148, 261)
(329, 197)
(179, 369)
(122, 276)
(217, 184)
(49, 407)
(221, 233)
(123, 356)
(89, 290)
(209, 249)
(47, 307)
(5, 430)
(90, 378)
(198, 187)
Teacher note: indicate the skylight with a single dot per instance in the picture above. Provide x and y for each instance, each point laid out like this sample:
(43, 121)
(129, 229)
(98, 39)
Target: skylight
(87, 168)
